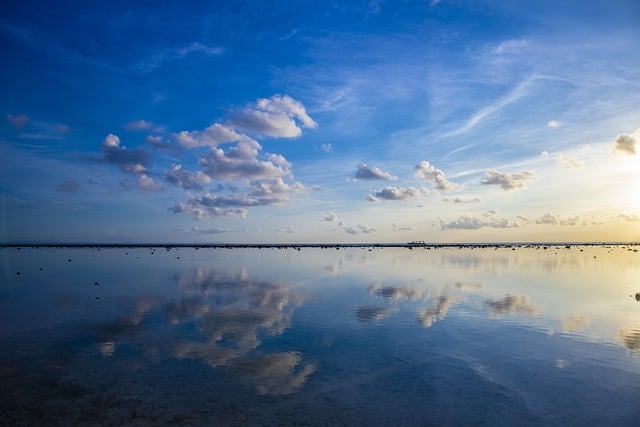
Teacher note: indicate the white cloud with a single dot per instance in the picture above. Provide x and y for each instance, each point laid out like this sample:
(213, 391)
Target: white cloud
(548, 219)
(211, 137)
(201, 209)
(394, 193)
(490, 219)
(242, 162)
(278, 116)
(147, 183)
(327, 148)
(626, 143)
(185, 179)
(364, 172)
(330, 216)
(274, 187)
(358, 229)
(159, 142)
(553, 124)
(427, 171)
(508, 181)
(130, 161)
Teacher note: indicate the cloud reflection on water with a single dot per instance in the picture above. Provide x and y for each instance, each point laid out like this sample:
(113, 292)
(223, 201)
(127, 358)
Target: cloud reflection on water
(232, 313)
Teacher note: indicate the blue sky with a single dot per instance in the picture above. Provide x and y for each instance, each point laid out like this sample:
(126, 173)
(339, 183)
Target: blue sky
(351, 121)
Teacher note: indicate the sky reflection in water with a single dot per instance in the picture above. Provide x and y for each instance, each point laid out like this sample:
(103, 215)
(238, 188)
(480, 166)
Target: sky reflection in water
(355, 336)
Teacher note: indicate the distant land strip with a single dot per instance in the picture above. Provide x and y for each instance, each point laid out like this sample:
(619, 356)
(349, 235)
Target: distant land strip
(413, 244)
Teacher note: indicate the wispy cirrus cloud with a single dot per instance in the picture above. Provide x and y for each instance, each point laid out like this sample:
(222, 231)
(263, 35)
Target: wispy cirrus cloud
(157, 59)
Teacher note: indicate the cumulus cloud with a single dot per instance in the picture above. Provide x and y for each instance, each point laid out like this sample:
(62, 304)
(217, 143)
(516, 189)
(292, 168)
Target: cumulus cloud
(159, 142)
(330, 216)
(201, 208)
(211, 137)
(549, 219)
(394, 193)
(626, 144)
(367, 173)
(491, 219)
(265, 193)
(145, 182)
(508, 181)
(358, 229)
(18, 121)
(185, 179)
(553, 124)
(274, 187)
(427, 171)
(130, 161)
(278, 116)
(241, 162)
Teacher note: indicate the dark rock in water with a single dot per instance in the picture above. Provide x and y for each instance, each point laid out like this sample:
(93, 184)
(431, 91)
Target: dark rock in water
(96, 283)
(638, 296)
(17, 273)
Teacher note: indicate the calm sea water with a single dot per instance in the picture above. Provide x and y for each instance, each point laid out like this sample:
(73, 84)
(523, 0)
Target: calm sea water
(358, 336)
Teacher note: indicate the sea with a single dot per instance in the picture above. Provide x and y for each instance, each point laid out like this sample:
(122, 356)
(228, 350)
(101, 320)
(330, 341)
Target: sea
(371, 335)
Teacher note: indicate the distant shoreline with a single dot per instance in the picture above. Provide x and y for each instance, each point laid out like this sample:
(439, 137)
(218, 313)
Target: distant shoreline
(410, 245)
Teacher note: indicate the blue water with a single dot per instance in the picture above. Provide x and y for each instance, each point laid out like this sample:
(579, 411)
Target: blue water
(356, 336)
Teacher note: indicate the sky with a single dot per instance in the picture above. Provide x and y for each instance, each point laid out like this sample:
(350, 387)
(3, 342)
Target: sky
(319, 121)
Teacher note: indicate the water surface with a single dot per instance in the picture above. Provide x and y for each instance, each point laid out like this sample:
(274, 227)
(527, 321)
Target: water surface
(355, 336)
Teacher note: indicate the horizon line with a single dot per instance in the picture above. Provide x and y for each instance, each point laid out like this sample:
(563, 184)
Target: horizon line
(254, 245)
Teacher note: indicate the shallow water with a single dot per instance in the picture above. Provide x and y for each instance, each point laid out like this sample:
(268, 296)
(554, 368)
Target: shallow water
(355, 336)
